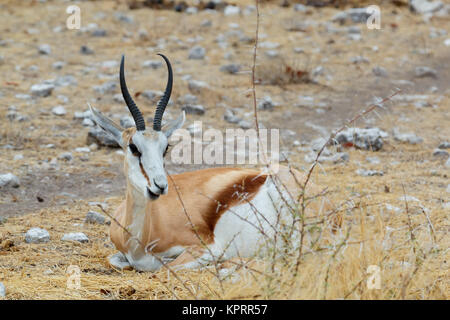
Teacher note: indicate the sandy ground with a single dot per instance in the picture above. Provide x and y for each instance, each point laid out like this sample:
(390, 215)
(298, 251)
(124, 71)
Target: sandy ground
(57, 197)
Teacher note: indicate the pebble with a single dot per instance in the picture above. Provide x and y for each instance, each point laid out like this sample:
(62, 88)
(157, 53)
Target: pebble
(425, 6)
(197, 86)
(107, 87)
(197, 53)
(407, 137)
(153, 64)
(369, 173)
(266, 103)
(45, 49)
(440, 153)
(367, 139)
(59, 111)
(231, 10)
(423, 72)
(37, 235)
(86, 50)
(230, 117)
(379, 71)
(75, 236)
(67, 156)
(444, 145)
(42, 89)
(9, 180)
(195, 109)
(95, 217)
(232, 68)
(357, 15)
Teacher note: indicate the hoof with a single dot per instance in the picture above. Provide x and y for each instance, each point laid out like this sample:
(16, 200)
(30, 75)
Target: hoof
(119, 261)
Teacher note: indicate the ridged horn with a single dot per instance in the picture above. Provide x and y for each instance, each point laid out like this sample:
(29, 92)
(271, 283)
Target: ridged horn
(137, 115)
(162, 103)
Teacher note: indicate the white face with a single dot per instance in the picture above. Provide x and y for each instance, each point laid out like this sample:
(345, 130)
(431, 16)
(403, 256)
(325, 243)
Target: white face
(145, 162)
(144, 153)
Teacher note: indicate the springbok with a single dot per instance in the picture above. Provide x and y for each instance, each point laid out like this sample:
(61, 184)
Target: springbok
(214, 213)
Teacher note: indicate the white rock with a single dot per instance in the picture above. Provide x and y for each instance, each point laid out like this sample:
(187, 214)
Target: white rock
(95, 217)
(197, 86)
(447, 163)
(75, 236)
(425, 6)
(42, 89)
(82, 150)
(2, 290)
(37, 235)
(45, 49)
(231, 10)
(65, 156)
(407, 137)
(447, 42)
(197, 53)
(153, 64)
(59, 110)
(8, 179)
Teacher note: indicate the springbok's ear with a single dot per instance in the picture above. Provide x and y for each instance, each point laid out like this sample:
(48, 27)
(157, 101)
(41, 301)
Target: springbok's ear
(107, 125)
(173, 125)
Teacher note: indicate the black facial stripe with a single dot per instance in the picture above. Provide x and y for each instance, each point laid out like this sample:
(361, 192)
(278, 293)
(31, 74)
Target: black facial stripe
(134, 150)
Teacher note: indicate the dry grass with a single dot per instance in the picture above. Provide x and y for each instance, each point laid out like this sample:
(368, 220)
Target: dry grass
(410, 245)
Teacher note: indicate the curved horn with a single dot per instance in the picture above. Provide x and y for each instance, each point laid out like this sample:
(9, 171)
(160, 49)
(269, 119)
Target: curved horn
(137, 115)
(165, 98)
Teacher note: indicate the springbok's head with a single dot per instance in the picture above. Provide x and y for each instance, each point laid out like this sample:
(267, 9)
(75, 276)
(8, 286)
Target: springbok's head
(144, 148)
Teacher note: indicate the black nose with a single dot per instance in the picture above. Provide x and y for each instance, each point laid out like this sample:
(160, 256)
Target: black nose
(161, 188)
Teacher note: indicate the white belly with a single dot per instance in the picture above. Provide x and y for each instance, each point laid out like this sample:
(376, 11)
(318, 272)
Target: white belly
(244, 229)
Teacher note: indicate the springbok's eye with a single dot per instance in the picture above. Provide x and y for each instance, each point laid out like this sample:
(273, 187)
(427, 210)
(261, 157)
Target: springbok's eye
(134, 150)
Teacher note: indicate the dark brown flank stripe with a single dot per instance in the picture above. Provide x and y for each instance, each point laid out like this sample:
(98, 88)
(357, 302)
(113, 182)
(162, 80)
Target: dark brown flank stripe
(143, 172)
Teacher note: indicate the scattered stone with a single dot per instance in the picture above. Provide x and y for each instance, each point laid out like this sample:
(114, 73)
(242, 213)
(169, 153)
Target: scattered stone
(230, 117)
(82, 150)
(100, 137)
(231, 10)
(95, 217)
(107, 87)
(444, 145)
(425, 6)
(153, 64)
(379, 71)
(196, 109)
(65, 81)
(152, 95)
(9, 180)
(369, 173)
(42, 89)
(440, 153)
(359, 59)
(367, 139)
(109, 64)
(244, 124)
(335, 158)
(266, 103)
(271, 53)
(407, 137)
(300, 7)
(87, 123)
(197, 86)
(98, 32)
(37, 235)
(127, 122)
(423, 72)
(45, 49)
(59, 111)
(86, 50)
(122, 17)
(373, 160)
(357, 15)
(67, 156)
(75, 236)
(2, 290)
(18, 157)
(447, 163)
(197, 53)
(232, 68)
